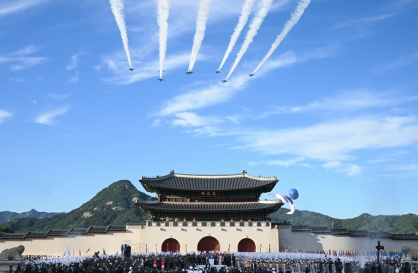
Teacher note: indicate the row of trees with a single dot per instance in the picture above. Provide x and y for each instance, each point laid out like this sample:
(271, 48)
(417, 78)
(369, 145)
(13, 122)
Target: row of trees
(6, 229)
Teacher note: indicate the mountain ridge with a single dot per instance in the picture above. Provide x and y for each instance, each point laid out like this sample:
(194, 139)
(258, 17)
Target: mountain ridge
(6, 216)
(115, 205)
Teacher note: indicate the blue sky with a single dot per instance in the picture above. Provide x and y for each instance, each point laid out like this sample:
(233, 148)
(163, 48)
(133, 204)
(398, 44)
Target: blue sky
(332, 113)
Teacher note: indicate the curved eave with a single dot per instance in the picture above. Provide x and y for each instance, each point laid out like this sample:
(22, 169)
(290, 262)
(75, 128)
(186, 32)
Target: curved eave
(205, 207)
(185, 182)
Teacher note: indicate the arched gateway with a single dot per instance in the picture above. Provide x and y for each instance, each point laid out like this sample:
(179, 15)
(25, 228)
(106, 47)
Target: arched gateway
(170, 245)
(208, 243)
(246, 245)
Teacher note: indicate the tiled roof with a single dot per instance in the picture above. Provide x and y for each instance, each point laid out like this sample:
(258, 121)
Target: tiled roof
(117, 228)
(32, 234)
(339, 231)
(237, 206)
(320, 229)
(12, 235)
(404, 237)
(208, 182)
(380, 235)
(301, 228)
(359, 233)
(78, 231)
(97, 229)
(54, 232)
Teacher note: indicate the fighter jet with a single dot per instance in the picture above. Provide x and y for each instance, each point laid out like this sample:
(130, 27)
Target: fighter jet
(160, 80)
(217, 72)
(132, 69)
(189, 72)
(251, 75)
(224, 81)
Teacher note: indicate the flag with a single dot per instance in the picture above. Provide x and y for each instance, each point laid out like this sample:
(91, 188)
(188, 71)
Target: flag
(79, 252)
(73, 252)
(88, 250)
(229, 247)
(64, 254)
(104, 252)
(68, 252)
(122, 248)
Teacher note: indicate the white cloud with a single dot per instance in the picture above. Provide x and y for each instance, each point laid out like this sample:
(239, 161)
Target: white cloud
(335, 140)
(48, 117)
(218, 93)
(348, 169)
(74, 61)
(203, 97)
(57, 96)
(283, 163)
(359, 22)
(405, 168)
(10, 7)
(17, 79)
(74, 78)
(3, 115)
(20, 60)
(148, 69)
(398, 63)
(189, 119)
(349, 101)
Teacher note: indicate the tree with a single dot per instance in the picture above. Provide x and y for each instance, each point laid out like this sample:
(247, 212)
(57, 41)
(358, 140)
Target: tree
(6, 229)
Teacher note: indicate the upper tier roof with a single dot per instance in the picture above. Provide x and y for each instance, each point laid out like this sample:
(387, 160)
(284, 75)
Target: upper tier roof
(194, 182)
(206, 207)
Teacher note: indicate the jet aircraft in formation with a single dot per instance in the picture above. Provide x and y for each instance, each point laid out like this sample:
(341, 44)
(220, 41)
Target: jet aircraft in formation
(217, 72)
(189, 72)
(224, 81)
(251, 75)
(132, 69)
(160, 79)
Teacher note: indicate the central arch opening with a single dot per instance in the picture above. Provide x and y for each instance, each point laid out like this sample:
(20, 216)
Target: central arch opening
(170, 245)
(246, 245)
(208, 243)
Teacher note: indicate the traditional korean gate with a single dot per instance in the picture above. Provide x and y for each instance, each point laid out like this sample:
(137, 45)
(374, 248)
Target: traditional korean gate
(208, 243)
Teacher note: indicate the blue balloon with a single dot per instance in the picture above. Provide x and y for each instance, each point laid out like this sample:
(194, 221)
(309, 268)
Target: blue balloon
(294, 194)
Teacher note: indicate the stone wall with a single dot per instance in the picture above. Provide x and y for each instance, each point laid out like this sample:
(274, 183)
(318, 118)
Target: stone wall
(306, 240)
(150, 238)
(56, 245)
(154, 236)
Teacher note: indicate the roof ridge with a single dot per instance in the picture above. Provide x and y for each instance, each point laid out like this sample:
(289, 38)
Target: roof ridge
(242, 174)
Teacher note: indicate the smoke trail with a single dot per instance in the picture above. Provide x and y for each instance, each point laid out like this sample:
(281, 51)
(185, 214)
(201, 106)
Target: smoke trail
(117, 9)
(163, 12)
(254, 26)
(302, 5)
(242, 21)
(202, 17)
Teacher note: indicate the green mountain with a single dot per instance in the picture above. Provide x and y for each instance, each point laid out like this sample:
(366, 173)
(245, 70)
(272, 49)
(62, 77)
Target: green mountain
(112, 205)
(6, 216)
(395, 224)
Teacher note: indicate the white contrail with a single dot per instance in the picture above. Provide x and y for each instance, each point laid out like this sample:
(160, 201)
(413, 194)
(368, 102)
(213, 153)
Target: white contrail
(202, 17)
(242, 21)
(117, 9)
(163, 12)
(302, 5)
(254, 26)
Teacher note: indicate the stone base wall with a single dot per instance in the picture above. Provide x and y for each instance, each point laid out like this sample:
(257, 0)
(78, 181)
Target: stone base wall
(189, 236)
(316, 241)
(151, 238)
(58, 245)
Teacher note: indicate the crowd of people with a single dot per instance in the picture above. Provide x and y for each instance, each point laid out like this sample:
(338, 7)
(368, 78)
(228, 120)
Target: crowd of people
(212, 262)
